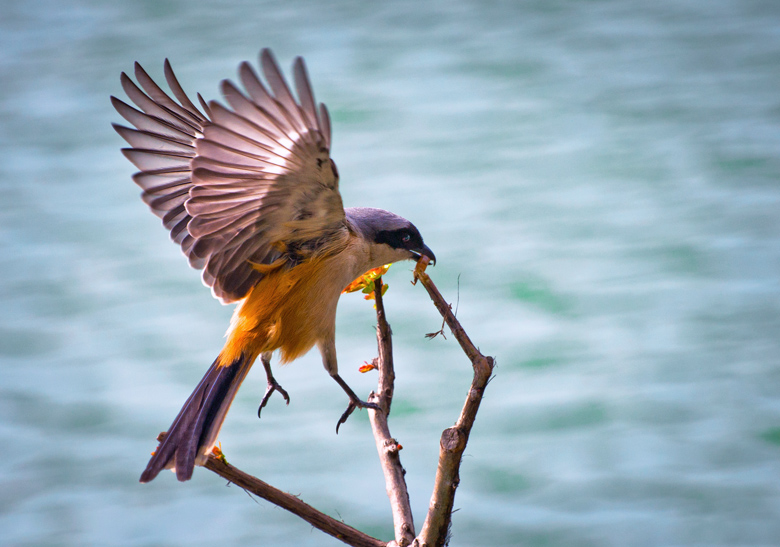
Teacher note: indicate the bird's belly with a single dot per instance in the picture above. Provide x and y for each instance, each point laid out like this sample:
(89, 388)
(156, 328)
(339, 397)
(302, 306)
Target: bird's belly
(289, 310)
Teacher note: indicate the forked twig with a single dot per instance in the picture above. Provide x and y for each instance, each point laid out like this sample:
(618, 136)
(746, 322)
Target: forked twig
(453, 440)
(452, 444)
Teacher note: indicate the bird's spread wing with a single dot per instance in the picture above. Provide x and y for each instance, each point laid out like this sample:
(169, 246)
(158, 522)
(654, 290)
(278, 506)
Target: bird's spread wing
(242, 184)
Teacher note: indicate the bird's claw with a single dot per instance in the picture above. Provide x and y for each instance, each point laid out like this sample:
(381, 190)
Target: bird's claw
(273, 385)
(353, 404)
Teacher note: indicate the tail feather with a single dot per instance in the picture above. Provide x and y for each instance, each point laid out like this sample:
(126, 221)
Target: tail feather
(195, 429)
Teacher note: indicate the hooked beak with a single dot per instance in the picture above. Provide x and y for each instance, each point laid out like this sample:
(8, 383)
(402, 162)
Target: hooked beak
(424, 251)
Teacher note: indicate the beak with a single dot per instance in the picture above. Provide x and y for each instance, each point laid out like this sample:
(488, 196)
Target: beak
(425, 251)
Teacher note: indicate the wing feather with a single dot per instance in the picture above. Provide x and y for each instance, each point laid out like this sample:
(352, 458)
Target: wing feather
(263, 99)
(228, 137)
(145, 122)
(153, 141)
(237, 124)
(153, 108)
(274, 126)
(175, 216)
(162, 99)
(156, 181)
(168, 200)
(242, 184)
(219, 152)
(282, 94)
(305, 93)
(325, 121)
(155, 160)
(180, 95)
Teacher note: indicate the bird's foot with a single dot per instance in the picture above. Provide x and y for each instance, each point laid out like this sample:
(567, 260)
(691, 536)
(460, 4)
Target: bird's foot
(353, 404)
(273, 385)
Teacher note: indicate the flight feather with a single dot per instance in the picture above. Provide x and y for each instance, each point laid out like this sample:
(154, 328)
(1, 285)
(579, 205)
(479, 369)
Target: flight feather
(242, 184)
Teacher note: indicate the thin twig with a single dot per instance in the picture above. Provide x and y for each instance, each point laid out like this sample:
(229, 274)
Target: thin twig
(432, 335)
(386, 446)
(453, 440)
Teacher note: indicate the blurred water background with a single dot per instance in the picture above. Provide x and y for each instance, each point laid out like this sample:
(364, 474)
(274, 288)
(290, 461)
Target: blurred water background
(600, 181)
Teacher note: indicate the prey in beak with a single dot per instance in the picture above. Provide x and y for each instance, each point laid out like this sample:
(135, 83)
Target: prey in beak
(424, 251)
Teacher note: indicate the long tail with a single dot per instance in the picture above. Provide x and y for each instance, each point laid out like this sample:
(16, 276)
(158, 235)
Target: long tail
(194, 431)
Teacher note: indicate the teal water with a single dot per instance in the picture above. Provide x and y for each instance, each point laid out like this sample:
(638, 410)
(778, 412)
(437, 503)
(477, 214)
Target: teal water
(601, 184)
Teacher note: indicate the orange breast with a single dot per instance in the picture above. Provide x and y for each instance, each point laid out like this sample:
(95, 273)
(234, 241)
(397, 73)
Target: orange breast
(289, 310)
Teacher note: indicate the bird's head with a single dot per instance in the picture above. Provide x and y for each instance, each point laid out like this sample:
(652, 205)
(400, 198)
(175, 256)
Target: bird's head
(392, 237)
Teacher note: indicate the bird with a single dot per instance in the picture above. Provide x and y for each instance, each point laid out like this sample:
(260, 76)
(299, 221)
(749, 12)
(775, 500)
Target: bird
(249, 192)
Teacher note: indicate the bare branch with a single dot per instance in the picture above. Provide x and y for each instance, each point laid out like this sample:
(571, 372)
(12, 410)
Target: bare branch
(452, 444)
(454, 439)
(319, 520)
(386, 446)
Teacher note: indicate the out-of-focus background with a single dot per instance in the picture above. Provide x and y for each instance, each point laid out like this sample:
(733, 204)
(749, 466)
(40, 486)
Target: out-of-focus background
(600, 182)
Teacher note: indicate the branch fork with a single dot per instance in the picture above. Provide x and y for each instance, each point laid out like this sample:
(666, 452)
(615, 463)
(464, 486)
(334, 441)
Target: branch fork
(435, 528)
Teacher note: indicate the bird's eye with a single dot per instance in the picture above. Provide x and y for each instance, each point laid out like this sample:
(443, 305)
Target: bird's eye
(405, 238)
